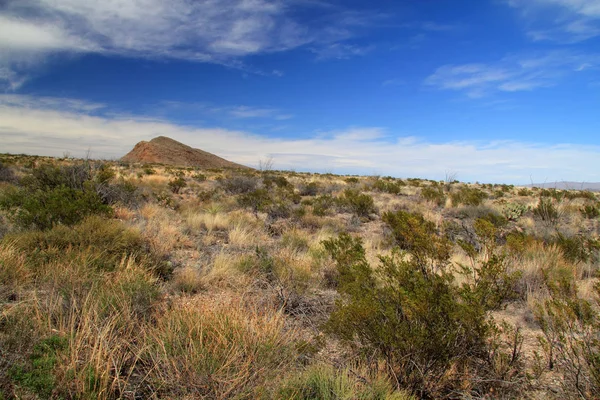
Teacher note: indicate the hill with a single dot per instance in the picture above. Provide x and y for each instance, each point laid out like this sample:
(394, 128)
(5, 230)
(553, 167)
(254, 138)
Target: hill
(164, 150)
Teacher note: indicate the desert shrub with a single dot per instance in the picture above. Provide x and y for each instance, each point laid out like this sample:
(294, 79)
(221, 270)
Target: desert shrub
(359, 203)
(309, 189)
(240, 184)
(434, 194)
(388, 186)
(323, 204)
(280, 208)
(7, 174)
(524, 192)
(429, 331)
(580, 194)
(517, 243)
(590, 211)
(490, 282)
(496, 219)
(177, 184)
(278, 181)
(412, 232)
(104, 174)
(468, 196)
(149, 171)
(513, 211)
(53, 195)
(325, 383)
(570, 327)
(47, 177)
(351, 180)
(416, 182)
(553, 193)
(257, 200)
(121, 192)
(199, 177)
(45, 208)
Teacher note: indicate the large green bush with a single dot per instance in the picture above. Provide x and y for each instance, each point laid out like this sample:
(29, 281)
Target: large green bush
(53, 195)
(359, 203)
(431, 333)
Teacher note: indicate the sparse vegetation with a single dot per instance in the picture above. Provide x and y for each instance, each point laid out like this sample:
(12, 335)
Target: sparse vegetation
(122, 280)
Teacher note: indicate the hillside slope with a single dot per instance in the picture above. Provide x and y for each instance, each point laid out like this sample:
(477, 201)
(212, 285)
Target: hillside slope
(164, 150)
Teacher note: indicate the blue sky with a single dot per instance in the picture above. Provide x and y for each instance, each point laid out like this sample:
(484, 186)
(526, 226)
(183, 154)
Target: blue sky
(492, 90)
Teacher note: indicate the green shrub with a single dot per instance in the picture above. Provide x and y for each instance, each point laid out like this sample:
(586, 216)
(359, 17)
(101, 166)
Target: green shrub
(149, 171)
(46, 208)
(199, 177)
(429, 331)
(490, 283)
(323, 204)
(257, 200)
(388, 186)
(581, 194)
(278, 181)
(434, 194)
(351, 180)
(53, 195)
(412, 232)
(524, 192)
(240, 184)
(310, 189)
(468, 196)
(359, 203)
(177, 184)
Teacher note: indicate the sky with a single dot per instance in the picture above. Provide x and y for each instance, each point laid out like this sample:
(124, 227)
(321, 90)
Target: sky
(501, 91)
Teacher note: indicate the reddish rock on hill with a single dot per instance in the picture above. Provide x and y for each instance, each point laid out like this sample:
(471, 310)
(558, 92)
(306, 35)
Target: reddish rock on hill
(163, 150)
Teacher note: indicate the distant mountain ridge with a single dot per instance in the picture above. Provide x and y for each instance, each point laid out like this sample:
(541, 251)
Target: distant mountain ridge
(566, 185)
(164, 150)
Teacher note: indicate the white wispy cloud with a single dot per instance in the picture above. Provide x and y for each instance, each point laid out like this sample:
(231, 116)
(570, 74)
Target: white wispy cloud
(512, 74)
(257, 112)
(217, 31)
(565, 21)
(56, 126)
(206, 109)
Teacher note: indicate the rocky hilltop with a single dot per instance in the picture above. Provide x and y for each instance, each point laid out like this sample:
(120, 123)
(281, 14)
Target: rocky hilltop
(164, 150)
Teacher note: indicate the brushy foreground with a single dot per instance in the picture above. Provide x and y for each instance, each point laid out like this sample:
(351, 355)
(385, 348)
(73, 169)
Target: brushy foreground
(149, 281)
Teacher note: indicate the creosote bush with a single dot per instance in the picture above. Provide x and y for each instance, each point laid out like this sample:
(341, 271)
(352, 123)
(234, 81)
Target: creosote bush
(468, 196)
(431, 333)
(359, 203)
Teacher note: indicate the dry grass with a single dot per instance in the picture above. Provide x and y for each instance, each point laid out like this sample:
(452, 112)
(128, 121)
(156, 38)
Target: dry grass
(217, 350)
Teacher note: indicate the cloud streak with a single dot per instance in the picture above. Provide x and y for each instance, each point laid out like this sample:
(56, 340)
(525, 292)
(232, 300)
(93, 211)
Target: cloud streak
(564, 21)
(511, 74)
(56, 126)
(216, 31)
